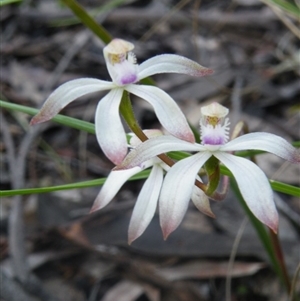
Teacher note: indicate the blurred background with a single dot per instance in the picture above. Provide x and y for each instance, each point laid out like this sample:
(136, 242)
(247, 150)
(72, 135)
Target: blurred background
(51, 248)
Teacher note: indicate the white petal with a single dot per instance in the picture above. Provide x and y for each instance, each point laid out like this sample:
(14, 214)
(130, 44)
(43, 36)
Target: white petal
(109, 129)
(201, 201)
(66, 93)
(145, 206)
(254, 187)
(171, 63)
(112, 185)
(177, 190)
(266, 142)
(155, 146)
(166, 109)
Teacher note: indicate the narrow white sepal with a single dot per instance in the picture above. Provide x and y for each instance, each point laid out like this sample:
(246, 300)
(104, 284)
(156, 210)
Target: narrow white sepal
(66, 93)
(166, 109)
(254, 187)
(200, 200)
(171, 63)
(109, 129)
(177, 191)
(146, 203)
(155, 146)
(266, 142)
(112, 185)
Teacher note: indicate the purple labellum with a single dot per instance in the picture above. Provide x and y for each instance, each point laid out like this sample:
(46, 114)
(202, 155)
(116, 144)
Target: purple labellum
(129, 79)
(213, 140)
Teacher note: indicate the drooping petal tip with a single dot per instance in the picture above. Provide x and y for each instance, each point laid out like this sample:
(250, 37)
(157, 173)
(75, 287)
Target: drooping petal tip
(93, 209)
(166, 233)
(42, 116)
(167, 229)
(296, 156)
(272, 223)
(36, 120)
(205, 72)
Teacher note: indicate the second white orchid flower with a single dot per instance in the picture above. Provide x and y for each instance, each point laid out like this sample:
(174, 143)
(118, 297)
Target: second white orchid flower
(125, 74)
(179, 181)
(146, 203)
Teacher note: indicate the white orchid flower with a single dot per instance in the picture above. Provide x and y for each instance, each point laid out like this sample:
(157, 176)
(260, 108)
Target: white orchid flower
(146, 204)
(179, 181)
(125, 74)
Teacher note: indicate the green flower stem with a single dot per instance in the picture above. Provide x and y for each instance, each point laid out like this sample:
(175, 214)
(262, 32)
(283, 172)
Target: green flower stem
(126, 111)
(270, 242)
(102, 9)
(88, 21)
(280, 258)
(273, 241)
(96, 28)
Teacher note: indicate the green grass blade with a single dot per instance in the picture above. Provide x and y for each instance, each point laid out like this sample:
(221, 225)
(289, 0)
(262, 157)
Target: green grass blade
(286, 6)
(260, 230)
(285, 188)
(6, 2)
(85, 184)
(105, 8)
(61, 119)
(88, 21)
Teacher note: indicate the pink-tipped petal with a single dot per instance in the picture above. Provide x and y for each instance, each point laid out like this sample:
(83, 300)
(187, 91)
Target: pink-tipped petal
(177, 190)
(145, 206)
(201, 201)
(112, 185)
(109, 129)
(66, 93)
(166, 109)
(171, 63)
(254, 187)
(154, 147)
(266, 142)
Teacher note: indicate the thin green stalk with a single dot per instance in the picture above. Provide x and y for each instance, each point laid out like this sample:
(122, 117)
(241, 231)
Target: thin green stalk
(85, 184)
(105, 8)
(88, 21)
(280, 258)
(126, 111)
(264, 237)
(292, 295)
(61, 119)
